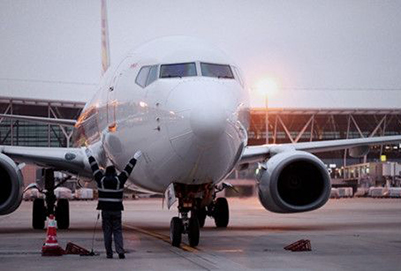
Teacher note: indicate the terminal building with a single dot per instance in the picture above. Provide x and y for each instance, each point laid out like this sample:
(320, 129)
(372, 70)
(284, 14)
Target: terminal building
(286, 124)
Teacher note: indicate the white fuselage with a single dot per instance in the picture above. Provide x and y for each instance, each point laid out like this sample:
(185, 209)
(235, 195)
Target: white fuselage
(190, 129)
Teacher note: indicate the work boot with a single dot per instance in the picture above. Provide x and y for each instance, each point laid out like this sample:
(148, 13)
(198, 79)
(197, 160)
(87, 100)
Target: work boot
(110, 256)
(121, 256)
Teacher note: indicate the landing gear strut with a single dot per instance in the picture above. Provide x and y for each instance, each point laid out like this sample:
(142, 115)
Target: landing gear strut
(45, 207)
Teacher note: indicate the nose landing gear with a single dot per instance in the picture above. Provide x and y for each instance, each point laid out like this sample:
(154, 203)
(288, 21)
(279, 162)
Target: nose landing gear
(185, 225)
(176, 229)
(200, 201)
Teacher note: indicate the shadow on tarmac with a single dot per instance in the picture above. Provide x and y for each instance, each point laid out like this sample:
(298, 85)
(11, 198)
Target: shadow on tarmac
(274, 228)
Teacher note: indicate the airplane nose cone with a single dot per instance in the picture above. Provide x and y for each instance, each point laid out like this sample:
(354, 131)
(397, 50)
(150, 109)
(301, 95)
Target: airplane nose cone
(200, 114)
(208, 121)
(201, 109)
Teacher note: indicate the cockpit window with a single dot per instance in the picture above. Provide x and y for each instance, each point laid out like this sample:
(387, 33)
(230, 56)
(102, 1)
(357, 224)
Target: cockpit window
(177, 70)
(216, 70)
(238, 76)
(152, 75)
(146, 76)
(142, 76)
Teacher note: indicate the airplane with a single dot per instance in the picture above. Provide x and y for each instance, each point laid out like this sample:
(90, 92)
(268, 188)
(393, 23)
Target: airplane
(185, 105)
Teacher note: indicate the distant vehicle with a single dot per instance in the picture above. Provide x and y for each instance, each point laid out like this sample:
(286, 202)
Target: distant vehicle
(184, 104)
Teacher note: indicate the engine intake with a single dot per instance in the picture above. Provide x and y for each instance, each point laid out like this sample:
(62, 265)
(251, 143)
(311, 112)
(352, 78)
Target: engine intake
(11, 185)
(293, 181)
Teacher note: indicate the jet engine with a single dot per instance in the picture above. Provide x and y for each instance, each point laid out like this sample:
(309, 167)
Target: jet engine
(11, 185)
(293, 181)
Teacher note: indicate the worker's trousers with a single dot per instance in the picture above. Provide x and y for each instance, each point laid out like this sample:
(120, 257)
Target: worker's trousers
(111, 222)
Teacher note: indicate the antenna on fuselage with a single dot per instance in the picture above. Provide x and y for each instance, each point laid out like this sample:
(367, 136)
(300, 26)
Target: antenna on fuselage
(105, 38)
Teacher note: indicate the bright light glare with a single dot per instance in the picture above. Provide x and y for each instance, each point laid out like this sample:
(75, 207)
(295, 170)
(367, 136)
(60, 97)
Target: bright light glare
(267, 86)
(142, 104)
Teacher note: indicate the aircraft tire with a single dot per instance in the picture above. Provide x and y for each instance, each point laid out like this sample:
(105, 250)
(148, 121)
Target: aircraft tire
(193, 231)
(38, 214)
(63, 214)
(201, 215)
(221, 213)
(175, 231)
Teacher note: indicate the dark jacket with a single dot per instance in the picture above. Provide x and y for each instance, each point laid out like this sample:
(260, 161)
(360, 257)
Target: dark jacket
(111, 186)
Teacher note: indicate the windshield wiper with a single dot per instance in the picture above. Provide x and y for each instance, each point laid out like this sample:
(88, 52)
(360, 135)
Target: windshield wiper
(171, 76)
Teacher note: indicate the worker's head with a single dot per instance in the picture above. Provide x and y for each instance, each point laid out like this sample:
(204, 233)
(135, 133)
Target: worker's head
(110, 170)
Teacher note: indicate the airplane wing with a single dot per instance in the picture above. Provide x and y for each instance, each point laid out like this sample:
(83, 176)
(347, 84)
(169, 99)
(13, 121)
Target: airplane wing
(72, 160)
(253, 154)
(62, 122)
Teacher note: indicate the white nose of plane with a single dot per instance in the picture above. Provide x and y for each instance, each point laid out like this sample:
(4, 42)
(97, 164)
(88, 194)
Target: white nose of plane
(200, 122)
(208, 120)
(200, 107)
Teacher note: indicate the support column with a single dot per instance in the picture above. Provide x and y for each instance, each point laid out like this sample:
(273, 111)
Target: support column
(63, 130)
(48, 126)
(275, 131)
(347, 136)
(303, 129)
(267, 120)
(311, 128)
(6, 112)
(11, 124)
(382, 134)
(286, 130)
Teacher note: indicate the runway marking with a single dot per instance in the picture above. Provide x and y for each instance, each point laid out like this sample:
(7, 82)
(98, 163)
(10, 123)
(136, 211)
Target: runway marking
(206, 261)
(162, 237)
(230, 250)
(24, 253)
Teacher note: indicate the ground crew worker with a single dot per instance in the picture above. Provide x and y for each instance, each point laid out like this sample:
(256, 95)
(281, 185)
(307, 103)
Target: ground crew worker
(110, 187)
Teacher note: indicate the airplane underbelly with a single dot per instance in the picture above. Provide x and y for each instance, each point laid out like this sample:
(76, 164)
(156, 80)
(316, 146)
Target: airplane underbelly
(164, 164)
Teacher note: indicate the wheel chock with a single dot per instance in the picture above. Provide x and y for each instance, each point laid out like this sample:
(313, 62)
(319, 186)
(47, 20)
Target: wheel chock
(76, 250)
(300, 245)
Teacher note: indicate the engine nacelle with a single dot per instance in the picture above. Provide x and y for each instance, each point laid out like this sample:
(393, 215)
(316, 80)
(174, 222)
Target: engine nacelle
(358, 152)
(11, 185)
(293, 181)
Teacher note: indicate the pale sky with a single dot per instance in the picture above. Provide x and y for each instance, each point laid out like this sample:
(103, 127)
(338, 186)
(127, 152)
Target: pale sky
(311, 48)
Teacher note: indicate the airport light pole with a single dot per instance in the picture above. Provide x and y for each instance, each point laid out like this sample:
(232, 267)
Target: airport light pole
(267, 117)
(267, 87)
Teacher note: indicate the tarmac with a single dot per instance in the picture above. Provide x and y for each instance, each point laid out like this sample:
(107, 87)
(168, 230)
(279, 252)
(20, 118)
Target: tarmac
(346, 234)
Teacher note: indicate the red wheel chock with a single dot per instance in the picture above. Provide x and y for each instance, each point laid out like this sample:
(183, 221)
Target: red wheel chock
(301, 245)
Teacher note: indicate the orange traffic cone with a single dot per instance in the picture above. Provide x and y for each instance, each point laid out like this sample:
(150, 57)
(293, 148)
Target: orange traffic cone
(51, 247)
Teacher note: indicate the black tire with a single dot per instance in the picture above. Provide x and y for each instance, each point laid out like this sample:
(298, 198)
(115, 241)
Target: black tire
(38, 214)
(175, 231)
(201, 215)
(63, 214)
(193, 231)
(221, 213)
